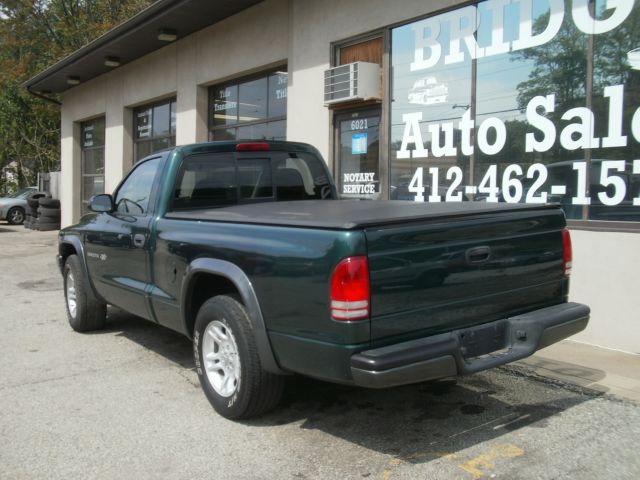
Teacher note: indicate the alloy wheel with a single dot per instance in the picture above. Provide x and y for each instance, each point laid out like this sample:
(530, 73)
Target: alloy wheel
(221, 358)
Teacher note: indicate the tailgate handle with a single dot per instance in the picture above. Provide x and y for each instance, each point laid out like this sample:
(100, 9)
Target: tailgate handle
(478, 255)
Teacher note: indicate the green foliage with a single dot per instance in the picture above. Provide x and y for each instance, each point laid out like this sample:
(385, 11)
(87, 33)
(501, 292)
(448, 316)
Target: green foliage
(34, 34)
(561, 67)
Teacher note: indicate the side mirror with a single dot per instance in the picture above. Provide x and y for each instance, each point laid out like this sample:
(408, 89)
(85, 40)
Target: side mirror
(101, 203)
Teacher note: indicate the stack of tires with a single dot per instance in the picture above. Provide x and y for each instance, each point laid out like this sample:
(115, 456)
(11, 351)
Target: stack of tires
(48, 214)
(43, 212)
(33, 204)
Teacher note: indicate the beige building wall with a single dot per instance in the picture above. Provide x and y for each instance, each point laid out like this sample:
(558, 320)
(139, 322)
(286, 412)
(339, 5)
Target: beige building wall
(605, 277)
(183, 70)
(300, 33)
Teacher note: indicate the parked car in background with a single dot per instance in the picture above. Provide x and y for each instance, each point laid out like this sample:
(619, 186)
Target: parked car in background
(13, 207)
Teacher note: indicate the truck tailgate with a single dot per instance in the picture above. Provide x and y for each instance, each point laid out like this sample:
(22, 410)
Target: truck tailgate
(436, 275)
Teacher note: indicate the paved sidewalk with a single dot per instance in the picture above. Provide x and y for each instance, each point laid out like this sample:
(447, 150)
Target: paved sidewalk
(608, 371)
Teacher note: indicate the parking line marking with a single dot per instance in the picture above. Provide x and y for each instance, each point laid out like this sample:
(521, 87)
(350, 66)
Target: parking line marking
(479, 465)
(522, 417)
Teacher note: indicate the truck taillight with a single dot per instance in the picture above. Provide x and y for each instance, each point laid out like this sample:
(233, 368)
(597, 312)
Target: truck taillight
(350, 290)
(567, 252)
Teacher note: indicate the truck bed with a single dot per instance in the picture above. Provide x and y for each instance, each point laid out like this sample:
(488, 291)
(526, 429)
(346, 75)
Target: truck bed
(425, 277)
(346, 214)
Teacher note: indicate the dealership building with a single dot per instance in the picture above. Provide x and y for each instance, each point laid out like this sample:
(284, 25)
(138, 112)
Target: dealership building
(512, 101)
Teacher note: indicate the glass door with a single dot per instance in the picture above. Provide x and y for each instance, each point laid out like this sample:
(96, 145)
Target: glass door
(358, 153)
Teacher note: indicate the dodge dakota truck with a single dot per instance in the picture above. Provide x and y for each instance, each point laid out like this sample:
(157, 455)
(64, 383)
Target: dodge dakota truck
(246, 248)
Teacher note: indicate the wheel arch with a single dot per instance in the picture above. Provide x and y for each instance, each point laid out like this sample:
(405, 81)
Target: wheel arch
(71, 245)
(225, 278)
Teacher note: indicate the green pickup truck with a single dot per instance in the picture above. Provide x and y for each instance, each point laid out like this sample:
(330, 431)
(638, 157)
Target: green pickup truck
(245, 248)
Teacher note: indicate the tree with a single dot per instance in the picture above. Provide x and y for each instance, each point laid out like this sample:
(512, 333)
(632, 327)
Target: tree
(33, 35)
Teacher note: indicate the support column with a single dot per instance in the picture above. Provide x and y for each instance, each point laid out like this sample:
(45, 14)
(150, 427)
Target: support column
(118, 149)
(191, 115)
(70, 178)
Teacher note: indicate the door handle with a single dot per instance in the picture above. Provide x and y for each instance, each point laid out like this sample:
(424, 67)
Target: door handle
(139, 240)
(478, 255)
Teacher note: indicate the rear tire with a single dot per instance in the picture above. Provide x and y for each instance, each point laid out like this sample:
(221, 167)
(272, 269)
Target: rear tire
(85, 313)
(228, 363)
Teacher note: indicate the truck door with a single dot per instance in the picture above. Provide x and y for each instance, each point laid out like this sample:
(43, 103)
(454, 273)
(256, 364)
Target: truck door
(117, 248)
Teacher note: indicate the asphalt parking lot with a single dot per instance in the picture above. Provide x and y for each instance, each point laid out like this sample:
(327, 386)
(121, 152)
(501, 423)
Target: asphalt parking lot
(125, 403)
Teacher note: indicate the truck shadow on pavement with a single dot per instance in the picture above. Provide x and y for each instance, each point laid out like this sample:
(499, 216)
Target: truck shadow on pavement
(163, 341)
(423, 422)
(414, 423)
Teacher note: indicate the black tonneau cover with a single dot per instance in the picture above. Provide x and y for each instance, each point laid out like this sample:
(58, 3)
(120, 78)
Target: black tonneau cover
(345, 214)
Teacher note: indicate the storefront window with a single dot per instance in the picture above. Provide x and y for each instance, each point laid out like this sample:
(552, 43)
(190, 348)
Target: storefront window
(249, 109)
(92, 168)
(614, 176)
(155, 128)
(520, 102)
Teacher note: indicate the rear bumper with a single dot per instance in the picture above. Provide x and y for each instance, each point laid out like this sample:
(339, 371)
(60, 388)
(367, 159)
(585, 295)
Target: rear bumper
(468, 350)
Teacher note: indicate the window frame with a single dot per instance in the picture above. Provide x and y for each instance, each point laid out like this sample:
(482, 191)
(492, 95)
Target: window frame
(84, 203)
(382, 108)
(171, 101)
(583, 223)
(154, 186)
(236, 82)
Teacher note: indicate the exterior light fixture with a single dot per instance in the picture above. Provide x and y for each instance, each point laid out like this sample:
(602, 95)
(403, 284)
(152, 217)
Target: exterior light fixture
(111, 62)
(73, 80)
(167, 35)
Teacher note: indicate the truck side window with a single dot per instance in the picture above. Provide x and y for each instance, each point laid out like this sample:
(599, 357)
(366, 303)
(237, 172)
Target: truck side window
(206, 181)
(133, 195)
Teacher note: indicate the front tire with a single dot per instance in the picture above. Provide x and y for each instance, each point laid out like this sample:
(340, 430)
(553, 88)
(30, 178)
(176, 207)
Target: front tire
(228, 363)
(84, 311)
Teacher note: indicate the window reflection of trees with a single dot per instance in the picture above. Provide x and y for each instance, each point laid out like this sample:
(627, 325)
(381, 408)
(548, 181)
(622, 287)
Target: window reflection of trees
(574, 67)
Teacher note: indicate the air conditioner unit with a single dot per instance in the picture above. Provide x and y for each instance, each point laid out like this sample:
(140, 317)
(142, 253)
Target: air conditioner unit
(353, 81)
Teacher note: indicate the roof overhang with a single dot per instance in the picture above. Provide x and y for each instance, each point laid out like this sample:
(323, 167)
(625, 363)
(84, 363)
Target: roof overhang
(133, 39)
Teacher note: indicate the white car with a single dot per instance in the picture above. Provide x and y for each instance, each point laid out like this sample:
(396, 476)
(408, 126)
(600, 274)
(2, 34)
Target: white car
(428, 91)
(13, 207)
